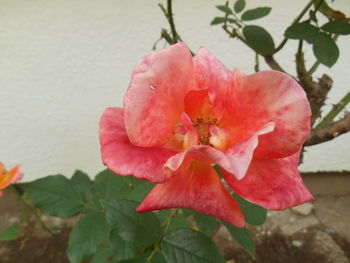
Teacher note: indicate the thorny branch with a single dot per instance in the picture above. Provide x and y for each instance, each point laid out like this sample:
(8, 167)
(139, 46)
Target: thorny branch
(330, 131)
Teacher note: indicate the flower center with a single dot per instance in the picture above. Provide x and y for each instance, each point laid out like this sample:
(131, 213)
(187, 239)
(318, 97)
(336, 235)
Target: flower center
(202, 126)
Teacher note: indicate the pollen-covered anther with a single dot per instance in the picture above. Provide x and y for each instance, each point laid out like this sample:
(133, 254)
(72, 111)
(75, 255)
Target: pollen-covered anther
(202, 127)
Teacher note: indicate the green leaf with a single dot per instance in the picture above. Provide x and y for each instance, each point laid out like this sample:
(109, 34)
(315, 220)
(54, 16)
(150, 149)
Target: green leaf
(81, 178)
(218, 20)
(124, 249)
(259, 39)
(109, 186)
(338, 27)
(325, 49)
(56, 195)
(87, 235)
(104, 254)
(158, 258)
(140, 229)
(242, 237)
(10, 233)
(239, 6)
(301, 31)
(189, 246)
(134, 260)
(84, 181)
(217, 170)
(133, 181)
(224, 9)
(140, 191)
(255, 13)
(207, 224)
(253, 214)
(179, 220)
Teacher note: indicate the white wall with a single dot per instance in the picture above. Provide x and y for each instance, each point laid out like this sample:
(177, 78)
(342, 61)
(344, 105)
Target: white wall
(62, 62)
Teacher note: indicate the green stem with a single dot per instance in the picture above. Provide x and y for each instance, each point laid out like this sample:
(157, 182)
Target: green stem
(166, 226)
(257, 63)
(36, 215)
(176, 37)
(168, 13)
(313, 68)
(280, 46)
(297, 19)
(172, 215)
(302, 13)
(155, 249)
(234, 33)
(337, 108)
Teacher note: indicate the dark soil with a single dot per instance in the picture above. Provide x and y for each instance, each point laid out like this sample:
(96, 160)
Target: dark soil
(35, 250)
(274, 248)
(279, 249)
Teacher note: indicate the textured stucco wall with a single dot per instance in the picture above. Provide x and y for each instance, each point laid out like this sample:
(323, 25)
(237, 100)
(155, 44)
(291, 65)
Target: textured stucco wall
(62, 62)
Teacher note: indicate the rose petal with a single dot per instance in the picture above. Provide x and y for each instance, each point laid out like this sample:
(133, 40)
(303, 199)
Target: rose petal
(195, 186)
(198, 104)
(155, 97)
(272, 183)
(212, 75)
(269, 96)
(235, 160)
(191, 136)
(122, 157)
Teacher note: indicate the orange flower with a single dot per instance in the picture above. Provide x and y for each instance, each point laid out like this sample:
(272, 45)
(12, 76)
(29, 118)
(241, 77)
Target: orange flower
(8, 177)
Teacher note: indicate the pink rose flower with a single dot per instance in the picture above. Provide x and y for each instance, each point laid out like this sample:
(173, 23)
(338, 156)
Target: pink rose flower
(8, 177)
(182, 114)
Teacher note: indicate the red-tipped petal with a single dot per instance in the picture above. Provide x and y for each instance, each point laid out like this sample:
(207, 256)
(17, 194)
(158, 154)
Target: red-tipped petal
(272, 183)
(155, 97)
(269, 96)
(122, 157)
(195, 186)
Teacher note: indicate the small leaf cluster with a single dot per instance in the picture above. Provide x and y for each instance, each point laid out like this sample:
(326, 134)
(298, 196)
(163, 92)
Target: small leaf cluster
(235, 24)
(322, 38)
(110, 230)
